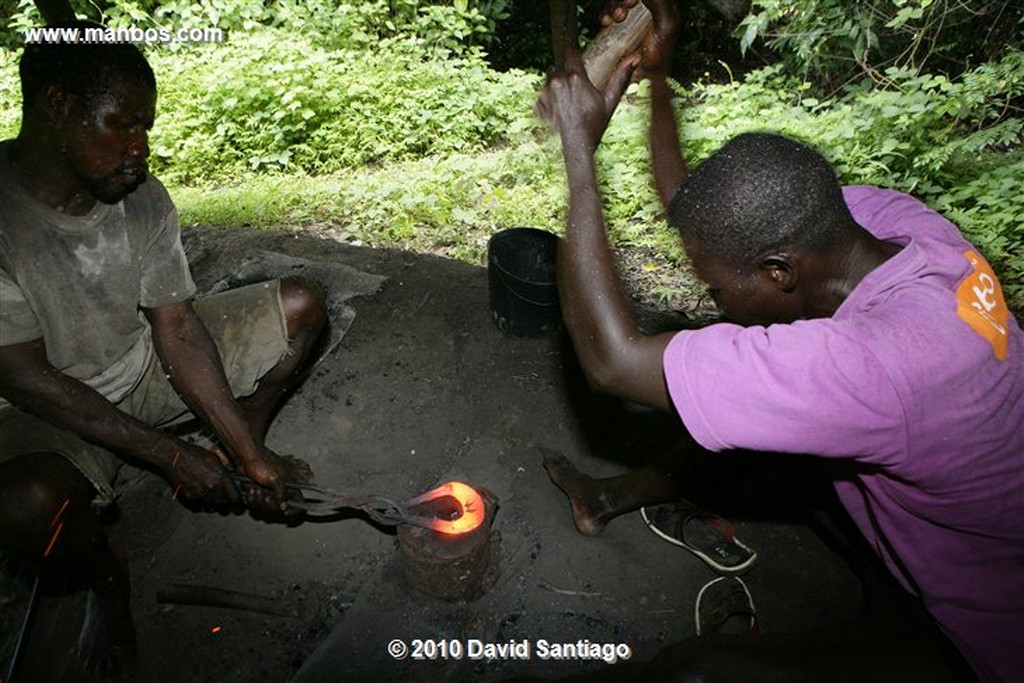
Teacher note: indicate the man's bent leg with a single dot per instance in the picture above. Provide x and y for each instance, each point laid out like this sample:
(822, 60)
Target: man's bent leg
(51, 528)
(305, 317)
(265, 333)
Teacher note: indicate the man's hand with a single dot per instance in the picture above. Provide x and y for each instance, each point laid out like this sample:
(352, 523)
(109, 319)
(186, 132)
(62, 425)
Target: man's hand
(658, 45)
(197, 475)
(577, 110)
(271, 471)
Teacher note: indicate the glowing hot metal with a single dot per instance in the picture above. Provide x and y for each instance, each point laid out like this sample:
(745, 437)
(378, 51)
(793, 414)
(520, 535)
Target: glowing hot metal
(473, 509)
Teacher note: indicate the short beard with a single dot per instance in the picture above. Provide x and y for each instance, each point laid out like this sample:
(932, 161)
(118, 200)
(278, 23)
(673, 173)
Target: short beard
(109, 194)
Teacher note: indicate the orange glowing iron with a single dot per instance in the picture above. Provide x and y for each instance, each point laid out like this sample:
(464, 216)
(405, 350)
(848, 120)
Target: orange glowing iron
(463, 509)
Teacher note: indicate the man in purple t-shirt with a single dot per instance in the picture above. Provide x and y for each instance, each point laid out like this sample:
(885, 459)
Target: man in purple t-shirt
(862, 327)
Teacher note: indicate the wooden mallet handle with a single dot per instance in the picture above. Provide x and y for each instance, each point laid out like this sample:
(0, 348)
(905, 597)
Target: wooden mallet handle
(614, 42)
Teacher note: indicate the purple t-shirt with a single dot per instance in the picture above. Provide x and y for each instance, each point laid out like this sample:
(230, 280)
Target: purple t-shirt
(918, 380)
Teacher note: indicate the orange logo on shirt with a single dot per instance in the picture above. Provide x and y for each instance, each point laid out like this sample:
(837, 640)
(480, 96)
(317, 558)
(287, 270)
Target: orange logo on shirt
(980, 304)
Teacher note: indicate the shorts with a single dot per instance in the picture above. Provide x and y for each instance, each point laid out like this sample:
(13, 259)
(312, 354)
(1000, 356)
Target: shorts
(248, 326)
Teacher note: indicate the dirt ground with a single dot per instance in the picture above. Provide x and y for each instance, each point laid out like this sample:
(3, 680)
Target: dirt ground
(421, 389)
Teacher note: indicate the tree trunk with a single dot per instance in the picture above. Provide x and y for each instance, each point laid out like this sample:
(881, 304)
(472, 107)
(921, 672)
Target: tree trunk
(564, 29)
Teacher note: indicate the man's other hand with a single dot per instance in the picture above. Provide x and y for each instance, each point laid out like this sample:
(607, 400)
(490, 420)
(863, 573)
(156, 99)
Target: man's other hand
(658, 45)
(577, 110)
(271, 472)
(200, 476)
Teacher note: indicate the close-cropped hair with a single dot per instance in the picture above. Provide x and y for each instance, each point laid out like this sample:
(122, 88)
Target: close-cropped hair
(84, 69)
(761, 192)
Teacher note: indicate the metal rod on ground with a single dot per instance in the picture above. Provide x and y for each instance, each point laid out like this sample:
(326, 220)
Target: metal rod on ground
(12, 670)
(208, 596)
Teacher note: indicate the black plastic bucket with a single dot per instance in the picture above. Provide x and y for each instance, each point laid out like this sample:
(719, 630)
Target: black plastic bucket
(522, 282)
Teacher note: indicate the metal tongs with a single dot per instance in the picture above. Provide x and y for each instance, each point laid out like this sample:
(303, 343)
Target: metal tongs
(450, 508)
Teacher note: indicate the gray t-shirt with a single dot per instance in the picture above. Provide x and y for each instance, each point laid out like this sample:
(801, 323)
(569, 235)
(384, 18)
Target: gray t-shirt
(79, 281)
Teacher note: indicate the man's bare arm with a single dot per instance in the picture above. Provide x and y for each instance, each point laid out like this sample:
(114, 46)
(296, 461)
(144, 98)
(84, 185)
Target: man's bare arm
(192, 363)
(667, 160)
(30, 382)
(616, 356)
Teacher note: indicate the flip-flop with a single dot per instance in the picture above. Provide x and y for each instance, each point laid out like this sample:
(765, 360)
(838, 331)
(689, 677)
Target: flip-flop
(725, 605)
(708, 536)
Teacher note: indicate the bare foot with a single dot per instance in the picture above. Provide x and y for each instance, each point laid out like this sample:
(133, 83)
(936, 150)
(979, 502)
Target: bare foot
(590, 510)
(106, 643)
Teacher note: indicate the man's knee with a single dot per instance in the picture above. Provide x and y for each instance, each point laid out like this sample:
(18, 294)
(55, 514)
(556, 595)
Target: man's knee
(304, 307)
(46, 509)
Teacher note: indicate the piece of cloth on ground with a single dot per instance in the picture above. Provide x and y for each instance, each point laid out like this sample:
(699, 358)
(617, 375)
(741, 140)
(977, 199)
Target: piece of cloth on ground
(216, 270)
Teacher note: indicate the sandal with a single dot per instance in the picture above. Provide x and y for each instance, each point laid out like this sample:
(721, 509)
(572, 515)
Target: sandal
(725, 605)
(708, 536)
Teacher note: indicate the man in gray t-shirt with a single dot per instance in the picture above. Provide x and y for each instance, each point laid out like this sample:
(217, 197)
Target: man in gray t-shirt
(100, 342)
(78, 281)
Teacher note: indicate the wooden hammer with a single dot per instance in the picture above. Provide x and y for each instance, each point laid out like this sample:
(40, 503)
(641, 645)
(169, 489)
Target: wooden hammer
(610, 45)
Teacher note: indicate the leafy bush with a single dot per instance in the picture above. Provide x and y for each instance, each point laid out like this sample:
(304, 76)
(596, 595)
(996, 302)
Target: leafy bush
(454, 26)
(265, 102)
(989, 210)
(10, 94)
(833, 41)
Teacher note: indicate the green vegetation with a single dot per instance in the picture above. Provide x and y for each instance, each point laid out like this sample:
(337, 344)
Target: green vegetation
(382, 123)
(832, 42)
